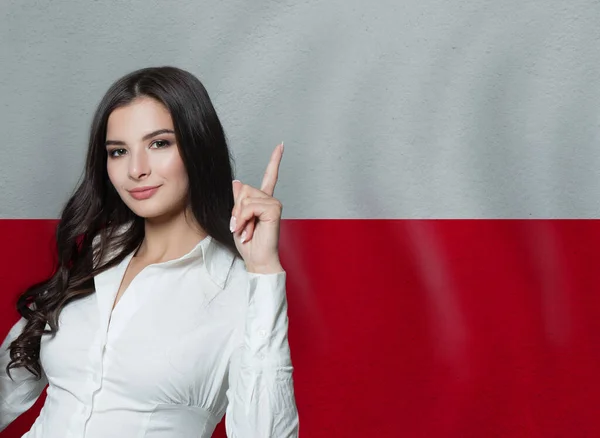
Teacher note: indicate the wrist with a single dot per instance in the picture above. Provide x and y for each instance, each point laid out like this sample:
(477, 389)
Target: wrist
(271, 268)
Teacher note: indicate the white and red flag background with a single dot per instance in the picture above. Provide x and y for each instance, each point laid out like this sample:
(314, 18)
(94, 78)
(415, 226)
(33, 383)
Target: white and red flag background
(440, 181)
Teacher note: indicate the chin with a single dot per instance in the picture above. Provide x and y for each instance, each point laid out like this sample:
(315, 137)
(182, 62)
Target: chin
(154, 211)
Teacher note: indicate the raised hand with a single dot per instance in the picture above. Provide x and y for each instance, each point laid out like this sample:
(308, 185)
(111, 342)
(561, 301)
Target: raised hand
(256, 218)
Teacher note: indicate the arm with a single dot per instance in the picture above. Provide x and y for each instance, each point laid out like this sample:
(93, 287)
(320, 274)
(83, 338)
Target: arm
(18, 395)
(261, 391)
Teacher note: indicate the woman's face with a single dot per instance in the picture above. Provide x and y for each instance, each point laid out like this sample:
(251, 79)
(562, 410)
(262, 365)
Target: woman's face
(143, 155)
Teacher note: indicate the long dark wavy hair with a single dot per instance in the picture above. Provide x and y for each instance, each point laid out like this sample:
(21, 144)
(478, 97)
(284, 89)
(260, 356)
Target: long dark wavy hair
(95, 212)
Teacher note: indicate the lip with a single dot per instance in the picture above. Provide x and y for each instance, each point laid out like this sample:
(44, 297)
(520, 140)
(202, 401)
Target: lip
(143, 192)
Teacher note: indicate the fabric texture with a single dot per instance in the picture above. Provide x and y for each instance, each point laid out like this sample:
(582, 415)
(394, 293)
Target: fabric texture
(191, 340)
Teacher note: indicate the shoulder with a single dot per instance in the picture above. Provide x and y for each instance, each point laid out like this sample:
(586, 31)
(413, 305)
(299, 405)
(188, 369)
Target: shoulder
(231, 280)
(238, 277)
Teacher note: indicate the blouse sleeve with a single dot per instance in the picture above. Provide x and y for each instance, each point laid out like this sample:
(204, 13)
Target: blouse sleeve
(261, 400)
(18, 394)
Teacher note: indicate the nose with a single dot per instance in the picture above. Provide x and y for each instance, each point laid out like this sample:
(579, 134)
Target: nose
(139, 167)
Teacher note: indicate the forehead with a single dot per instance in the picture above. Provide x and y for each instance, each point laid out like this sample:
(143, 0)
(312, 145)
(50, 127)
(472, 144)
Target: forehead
(139, 117)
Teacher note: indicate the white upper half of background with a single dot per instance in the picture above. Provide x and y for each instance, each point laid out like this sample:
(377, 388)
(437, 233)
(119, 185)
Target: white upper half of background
(388, 109)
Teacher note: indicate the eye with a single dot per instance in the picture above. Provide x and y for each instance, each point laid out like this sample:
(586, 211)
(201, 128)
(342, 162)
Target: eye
(116, 152)
(160, 144)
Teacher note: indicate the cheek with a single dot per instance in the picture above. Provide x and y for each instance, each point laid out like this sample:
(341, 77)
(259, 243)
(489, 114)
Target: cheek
(114, 175)
(174, 170)
(111, 174)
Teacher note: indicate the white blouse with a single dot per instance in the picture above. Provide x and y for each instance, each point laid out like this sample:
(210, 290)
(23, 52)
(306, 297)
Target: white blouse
(191, 340)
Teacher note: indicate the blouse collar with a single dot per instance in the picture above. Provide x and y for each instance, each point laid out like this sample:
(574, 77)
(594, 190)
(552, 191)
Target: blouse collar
(218, 259)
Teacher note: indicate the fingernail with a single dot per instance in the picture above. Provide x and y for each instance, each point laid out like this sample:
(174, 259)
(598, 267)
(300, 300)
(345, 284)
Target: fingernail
(282, 146)
(232, 224)
(236, 180)
(244, 236)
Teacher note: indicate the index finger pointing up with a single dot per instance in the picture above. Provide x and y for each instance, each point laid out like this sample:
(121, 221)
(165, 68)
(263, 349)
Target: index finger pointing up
(272, 172)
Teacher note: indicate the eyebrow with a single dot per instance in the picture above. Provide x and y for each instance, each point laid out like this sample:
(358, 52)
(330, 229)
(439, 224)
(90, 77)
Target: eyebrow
(144, 138)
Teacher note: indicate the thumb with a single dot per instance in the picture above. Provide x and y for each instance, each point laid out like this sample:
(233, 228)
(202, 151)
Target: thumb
(237, 185)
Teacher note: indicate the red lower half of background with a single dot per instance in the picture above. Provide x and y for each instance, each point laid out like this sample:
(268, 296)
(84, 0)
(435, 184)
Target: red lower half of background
(417, 328)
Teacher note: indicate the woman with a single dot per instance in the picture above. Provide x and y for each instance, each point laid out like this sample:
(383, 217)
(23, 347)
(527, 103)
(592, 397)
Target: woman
(167, 309)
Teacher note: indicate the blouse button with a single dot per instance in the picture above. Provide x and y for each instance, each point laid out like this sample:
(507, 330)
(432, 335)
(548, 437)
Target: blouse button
(262, 333)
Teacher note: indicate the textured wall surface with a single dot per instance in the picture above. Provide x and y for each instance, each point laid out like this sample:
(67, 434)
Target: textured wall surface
(416, 109)
(472, 109)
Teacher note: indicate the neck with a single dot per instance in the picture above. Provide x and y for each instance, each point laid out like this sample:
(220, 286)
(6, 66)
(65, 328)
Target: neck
(169, 238)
